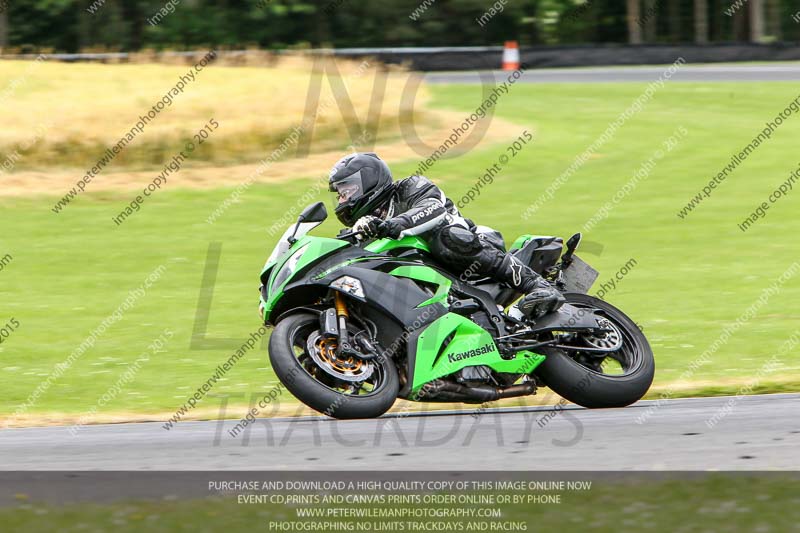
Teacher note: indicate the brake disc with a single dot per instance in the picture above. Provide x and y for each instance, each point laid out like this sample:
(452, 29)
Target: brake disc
(347, 368)
(610, 340)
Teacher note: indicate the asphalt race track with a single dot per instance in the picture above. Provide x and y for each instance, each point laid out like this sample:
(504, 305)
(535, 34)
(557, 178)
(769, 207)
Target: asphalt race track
(750, 433)
(696, 73)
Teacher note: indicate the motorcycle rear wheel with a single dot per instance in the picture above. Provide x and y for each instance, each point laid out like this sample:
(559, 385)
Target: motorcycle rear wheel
(303, 376)
(588, 386)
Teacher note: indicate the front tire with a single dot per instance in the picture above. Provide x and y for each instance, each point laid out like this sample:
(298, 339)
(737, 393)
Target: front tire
(302, 376)
(588, 387)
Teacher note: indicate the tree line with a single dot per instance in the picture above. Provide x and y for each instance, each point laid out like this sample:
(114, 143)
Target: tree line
(129, 25)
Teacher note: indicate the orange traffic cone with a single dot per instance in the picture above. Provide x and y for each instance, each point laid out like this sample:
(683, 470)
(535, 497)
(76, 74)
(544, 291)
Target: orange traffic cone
(511, 56)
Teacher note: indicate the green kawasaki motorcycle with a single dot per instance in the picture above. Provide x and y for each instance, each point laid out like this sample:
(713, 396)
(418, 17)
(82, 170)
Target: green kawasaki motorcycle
(358, 325)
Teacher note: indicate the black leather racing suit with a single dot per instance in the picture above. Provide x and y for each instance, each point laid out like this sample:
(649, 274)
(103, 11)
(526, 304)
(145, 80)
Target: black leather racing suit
(418, 207)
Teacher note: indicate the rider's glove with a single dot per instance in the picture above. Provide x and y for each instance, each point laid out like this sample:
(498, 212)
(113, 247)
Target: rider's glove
(389, 228)
(367, 225)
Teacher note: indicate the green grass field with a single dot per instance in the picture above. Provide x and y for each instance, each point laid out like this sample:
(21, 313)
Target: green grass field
(693, 276)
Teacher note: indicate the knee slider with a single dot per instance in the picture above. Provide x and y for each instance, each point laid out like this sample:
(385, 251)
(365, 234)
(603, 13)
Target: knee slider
(461, 240)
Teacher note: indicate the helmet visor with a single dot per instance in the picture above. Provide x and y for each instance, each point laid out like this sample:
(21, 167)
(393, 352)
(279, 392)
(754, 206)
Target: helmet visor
(348, 189)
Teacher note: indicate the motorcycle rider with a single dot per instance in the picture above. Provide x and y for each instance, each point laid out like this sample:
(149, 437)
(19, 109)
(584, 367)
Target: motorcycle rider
(370, 201)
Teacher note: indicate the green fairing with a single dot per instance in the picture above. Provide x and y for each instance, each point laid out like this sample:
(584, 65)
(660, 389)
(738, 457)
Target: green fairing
(315, 247)
(524, 363)
(429, 275)
(432, 364)
(343, 264)
(520, 242)
(385, 245)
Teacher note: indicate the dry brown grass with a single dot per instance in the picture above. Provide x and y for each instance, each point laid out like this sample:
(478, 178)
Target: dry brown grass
(432, 132)
(85, 108)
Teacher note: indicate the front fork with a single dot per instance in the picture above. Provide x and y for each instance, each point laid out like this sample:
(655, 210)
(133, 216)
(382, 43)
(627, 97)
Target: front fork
(333, 323)
(341, 318)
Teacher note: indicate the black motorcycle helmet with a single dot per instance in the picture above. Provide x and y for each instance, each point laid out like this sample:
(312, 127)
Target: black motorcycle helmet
(362, 183)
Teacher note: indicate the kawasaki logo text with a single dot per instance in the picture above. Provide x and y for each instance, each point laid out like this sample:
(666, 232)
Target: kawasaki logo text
(488, 348)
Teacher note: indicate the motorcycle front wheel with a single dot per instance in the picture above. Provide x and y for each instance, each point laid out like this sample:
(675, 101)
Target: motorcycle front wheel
(340, 387)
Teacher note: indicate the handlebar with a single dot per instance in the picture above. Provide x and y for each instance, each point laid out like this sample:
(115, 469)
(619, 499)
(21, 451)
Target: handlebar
(349, 235)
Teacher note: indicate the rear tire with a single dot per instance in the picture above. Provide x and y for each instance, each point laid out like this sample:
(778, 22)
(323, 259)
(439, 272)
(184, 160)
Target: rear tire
(589, 388)
(292, 332)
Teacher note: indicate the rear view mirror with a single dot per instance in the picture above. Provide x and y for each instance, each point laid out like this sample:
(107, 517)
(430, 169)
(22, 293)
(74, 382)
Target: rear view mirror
(314, 213)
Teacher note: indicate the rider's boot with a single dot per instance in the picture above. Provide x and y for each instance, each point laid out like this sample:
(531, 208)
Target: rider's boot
(540, 297)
